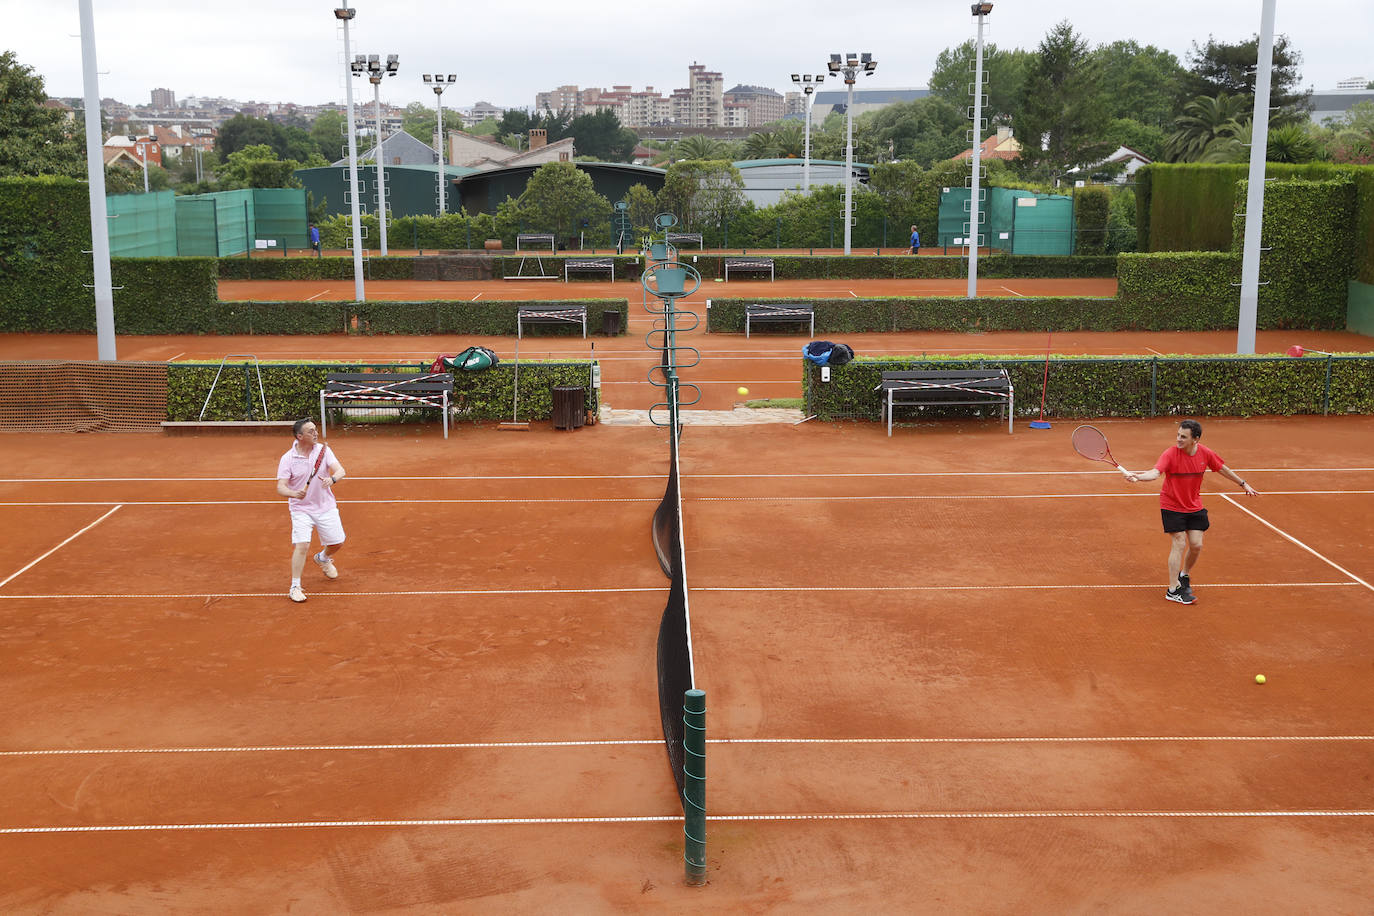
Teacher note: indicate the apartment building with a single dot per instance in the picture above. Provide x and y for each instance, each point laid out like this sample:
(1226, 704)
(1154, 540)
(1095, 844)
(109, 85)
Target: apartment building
(564, 98)
(164, 99)
(764, 105)
(706, 90)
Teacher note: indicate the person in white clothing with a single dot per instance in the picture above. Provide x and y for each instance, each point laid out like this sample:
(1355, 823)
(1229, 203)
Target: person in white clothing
(306, 475)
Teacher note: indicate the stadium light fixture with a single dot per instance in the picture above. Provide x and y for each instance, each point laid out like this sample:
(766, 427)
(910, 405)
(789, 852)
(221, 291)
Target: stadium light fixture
(345, 14)
(849, 67)
(980, 11)
(371, 66)
(804, 81)
(439, 83)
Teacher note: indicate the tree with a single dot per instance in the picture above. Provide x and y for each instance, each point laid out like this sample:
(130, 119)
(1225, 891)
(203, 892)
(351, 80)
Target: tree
(601, 137)
(1204, 120)
(1217, 67)
(642, 206)
(1062, 116)
(329, 137)
(1004, 75)
(560, 197)
(698, 147)
(760, 145)
(1145, 139)
(702, 192)
(420, 122)
(1140, 83)
(924, 130)
(257, 166)
(1291, 143)
(34, 139)
(1350, 137)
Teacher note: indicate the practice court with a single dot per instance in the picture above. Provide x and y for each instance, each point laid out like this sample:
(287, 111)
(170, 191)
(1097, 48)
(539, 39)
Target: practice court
(940, 673)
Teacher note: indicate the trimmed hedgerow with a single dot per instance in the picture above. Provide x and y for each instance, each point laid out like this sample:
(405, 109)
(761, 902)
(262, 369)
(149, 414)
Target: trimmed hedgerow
(1096, 386)
(265, 267)
(293, 389)
(1090, 210)
(1180, 290)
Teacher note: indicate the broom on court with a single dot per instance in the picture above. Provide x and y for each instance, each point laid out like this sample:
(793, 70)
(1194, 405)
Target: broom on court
(514, 425)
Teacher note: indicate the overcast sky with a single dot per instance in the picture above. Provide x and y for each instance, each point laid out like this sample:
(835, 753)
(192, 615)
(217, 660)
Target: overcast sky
(292, 50)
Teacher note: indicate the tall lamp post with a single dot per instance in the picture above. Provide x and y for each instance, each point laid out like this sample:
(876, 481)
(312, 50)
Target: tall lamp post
(95, 176)
(344, 14)
(850, 66)
(804, 81)
(371, 66)
(972, 235)
(439, 83)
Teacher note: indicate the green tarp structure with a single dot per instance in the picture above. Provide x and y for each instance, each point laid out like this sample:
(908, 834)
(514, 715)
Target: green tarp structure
(228, 223)
(142, 225)
(1016, 222)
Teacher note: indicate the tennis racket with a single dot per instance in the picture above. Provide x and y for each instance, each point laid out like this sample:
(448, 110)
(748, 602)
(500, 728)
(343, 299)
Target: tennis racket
(1089, 442)
(319, 460)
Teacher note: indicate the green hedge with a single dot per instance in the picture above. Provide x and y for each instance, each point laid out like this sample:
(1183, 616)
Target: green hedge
(1188, 302)
(1090, 209)
(485, 316)
(151, 296)
(1094, 386)
(1307, 231)
(265, 267)
(293, 389)
(1181, 290)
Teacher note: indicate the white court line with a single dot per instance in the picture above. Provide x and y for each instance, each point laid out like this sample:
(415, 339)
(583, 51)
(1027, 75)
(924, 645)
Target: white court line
(852, 293)
(475, 298)
(630, 742)
(756, 476)
(1013, 292)
(661, 589)
(1285, 534)
(177, 357)
(59, 547)
(500, 500)
(317, 295)
(677, 818)
(1154, 351)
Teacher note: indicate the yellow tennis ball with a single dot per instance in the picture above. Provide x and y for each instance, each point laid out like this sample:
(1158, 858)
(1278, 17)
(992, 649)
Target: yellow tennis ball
(1259, 679)
(742, 390)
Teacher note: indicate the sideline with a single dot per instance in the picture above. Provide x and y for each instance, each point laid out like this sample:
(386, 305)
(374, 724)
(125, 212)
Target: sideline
(1333, 564)
(102, 518)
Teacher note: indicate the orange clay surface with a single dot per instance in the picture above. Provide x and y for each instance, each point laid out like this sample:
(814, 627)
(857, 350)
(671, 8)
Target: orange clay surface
(940, 675)
(768, 363)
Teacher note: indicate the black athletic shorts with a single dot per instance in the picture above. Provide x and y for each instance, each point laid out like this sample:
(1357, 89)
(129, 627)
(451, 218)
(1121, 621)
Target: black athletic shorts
(1184, 521)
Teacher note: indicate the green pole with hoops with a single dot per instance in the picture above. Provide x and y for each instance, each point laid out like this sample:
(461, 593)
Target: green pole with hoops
(694, 785)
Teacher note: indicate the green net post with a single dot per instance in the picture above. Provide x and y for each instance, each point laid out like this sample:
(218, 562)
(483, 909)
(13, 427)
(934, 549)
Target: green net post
(694, 788)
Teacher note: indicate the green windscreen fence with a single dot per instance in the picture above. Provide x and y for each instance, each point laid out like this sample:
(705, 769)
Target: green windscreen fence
(1018, 222)
(280, 217)
(142, 225)
(197, 231)
(228, 223)
(1043, 224)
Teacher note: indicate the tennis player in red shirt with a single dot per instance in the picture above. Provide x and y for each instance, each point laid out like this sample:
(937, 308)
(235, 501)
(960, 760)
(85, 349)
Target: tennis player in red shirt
(1180, 502)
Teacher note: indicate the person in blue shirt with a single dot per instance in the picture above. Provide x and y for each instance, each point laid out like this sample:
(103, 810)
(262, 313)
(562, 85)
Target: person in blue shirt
(915, 241)
(315, 239)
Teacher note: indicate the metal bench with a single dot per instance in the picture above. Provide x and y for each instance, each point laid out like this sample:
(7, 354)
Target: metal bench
(769, 312)
(753, 265)
(397, 389)
(585, 264)
(932, 387)
(522, 239)
(533, 314)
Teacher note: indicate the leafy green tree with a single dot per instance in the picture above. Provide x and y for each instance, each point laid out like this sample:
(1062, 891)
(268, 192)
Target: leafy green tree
(328, 134)
(1140, 83)
(1004, 76)
(1062, 105)
(419, 121)
(601, 137)
(242, 131)
(643, 206)
(257, 166)
(559, 197)
(34, 139)
(1291, 143)
(1143, 138)
(701, 192)
(1204, 121)
(1218, 67)
(1350, 137)
(789, 140)
(924, 130)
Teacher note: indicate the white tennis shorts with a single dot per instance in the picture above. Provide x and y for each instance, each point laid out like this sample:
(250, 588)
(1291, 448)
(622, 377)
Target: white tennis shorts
(327, 524)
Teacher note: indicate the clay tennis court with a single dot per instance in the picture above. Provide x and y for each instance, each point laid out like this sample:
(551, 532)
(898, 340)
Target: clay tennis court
(940, 674)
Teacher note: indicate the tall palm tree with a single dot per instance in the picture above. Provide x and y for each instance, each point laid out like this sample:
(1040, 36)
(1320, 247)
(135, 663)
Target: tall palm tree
(788, 141)
(1203, 121)
(698, 147)
(760, 145)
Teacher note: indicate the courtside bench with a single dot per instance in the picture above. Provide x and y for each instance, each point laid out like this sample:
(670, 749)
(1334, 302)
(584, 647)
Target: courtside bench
(931, 387)
(751, 265)
(768, 312)
(582, 265)
(346, 389)
(534, 314)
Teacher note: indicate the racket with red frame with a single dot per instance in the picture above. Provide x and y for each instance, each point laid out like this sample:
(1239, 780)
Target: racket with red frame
(319, 460)
(1089, 442)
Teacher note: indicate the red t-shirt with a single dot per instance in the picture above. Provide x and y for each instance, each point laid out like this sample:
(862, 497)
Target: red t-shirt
(1182, 488)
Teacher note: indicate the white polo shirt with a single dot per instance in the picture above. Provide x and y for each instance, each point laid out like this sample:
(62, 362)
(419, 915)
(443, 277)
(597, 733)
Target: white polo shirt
(294, 468)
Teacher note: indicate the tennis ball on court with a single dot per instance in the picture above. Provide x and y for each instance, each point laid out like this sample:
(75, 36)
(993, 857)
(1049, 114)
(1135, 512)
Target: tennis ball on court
(742, 390)
(1259, 679)
(719, 280)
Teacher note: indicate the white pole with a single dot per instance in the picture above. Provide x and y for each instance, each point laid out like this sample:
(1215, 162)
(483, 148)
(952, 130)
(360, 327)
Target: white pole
(381, 179)
(358, 294)
(95, 180)
(848, 160)
(439, 134)
(806, 160)
(973, 223)
(143, 157)
(1254, 195)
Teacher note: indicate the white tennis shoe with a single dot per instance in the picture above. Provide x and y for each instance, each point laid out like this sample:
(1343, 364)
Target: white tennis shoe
(297, 594)
(326, 565)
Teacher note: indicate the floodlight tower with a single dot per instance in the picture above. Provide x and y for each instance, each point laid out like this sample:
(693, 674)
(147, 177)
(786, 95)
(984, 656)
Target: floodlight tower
(980, 11)
(850, 66)
(1254, 196)
(371, 66)
(344, 14)
(95, 176)
(439, 83)
(804, 81)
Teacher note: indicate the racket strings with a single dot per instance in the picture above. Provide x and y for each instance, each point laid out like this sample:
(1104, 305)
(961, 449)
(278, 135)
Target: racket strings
(1090, 443)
